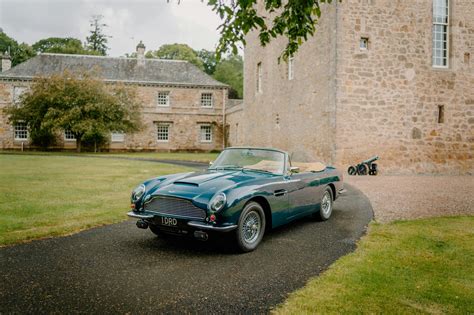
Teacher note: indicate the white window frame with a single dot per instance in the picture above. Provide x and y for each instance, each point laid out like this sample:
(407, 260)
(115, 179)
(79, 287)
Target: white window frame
(163, 98)
(291, 68)
(440, 35)
(364, 43)
(207, 99)
(259, 75)
(20, 128)
(162, 129)
(69, 136)
(117, 137)
(205, 130)
(17, 92)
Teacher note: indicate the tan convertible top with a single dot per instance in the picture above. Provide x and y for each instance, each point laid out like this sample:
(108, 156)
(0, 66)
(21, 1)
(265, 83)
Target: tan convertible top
(309, 167)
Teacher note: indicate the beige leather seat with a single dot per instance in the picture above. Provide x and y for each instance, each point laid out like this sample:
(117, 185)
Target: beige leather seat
(309, 167)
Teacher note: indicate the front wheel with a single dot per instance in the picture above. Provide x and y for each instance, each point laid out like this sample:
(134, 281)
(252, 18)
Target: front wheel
(251, 227)
(325, 208)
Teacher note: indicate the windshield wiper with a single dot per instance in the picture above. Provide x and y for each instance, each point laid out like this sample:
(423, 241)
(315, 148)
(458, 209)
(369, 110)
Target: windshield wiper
(223, 167)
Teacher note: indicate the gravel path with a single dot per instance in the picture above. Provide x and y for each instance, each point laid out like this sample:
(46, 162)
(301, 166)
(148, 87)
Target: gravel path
(413, 197)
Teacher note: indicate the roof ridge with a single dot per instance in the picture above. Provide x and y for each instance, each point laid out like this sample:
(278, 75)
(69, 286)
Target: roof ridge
(109, 57)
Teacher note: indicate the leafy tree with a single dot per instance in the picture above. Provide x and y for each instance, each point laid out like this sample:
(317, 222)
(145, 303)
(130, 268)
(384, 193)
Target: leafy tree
(231, 71)
(18, 52)
(79, 103)
(177, 52)
(97, 41)
(60, 45)
(293, 19)
(208, 59)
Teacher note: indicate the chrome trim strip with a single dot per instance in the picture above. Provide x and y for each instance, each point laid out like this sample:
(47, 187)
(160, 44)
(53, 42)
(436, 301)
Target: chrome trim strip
(133, 214)
(204, 226)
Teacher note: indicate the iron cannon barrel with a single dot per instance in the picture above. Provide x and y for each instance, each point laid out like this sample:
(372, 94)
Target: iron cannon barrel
(370, 160)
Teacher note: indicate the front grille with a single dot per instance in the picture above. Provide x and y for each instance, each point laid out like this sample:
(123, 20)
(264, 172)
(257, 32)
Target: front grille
(175, 206)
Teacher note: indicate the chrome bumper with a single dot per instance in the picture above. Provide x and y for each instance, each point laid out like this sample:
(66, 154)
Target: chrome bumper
(209, 227)
(193, 224)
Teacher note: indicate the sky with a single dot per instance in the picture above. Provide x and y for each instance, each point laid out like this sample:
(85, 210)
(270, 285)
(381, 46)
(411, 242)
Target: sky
(155, 22)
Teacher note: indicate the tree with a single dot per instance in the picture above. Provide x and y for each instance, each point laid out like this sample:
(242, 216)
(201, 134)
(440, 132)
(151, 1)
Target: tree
(293, 19)
(97, 41)
(60, 45)
(177, 52)
(79, 103)
(208, 59)
(18, 52)
(231, 71)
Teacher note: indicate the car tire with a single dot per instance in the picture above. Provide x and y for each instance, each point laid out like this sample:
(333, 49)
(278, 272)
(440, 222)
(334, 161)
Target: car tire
(325, 206)
(251, 227)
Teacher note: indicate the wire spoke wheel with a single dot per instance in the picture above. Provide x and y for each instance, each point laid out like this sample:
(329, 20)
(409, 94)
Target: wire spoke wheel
(251, 227)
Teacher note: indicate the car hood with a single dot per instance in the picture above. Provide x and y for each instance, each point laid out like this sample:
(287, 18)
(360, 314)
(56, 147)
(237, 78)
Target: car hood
(200, 187)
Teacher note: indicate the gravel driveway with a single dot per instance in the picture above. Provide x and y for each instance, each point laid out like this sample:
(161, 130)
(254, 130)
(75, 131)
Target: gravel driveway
(122, 269)
(417, 196)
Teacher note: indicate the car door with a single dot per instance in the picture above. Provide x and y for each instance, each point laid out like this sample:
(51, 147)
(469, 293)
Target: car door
(304, 193)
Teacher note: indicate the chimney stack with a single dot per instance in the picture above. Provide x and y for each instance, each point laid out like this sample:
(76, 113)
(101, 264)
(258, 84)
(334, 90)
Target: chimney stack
(6, 61)
(140, 50)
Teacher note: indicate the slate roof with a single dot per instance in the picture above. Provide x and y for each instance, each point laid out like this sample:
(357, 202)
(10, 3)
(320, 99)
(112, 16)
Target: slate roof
(131, 70)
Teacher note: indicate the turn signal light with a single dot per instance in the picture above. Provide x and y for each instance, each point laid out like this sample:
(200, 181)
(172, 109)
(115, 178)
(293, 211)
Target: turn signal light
(132, 206)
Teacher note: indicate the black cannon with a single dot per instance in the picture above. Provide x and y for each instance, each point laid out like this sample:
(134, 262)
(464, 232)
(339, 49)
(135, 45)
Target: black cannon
(363, 167)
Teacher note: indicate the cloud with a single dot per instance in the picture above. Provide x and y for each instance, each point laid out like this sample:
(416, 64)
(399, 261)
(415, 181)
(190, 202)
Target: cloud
(156, 22)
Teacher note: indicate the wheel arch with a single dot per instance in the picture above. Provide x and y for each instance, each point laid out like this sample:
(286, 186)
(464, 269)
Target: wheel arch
(263, 202)
(333, 191)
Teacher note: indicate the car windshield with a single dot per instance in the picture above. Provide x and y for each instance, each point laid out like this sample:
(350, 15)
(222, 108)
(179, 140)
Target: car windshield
(251, 159)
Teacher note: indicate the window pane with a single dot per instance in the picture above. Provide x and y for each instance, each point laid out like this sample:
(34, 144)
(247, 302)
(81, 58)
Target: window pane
(206, 99)
(118, 137)
(68, 135)
(206, 133)
(163, 98)
(21, 131)
(162, 132)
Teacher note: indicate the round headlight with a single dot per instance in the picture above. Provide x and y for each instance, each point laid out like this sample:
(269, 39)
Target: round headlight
(217, 202)
(138, 192)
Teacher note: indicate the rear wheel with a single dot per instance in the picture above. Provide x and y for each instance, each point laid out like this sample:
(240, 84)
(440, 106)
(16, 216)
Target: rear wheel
(325, 208)
(351, 170)
(251, 227)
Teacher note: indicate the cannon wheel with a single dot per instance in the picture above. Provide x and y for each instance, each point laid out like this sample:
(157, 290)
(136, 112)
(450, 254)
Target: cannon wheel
(362, 169)
(351, 170)
(373, 172)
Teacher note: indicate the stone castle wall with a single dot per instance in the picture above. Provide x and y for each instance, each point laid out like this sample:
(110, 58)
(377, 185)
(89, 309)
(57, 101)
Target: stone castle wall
(295, 115)
(185, 116)
(388, 96)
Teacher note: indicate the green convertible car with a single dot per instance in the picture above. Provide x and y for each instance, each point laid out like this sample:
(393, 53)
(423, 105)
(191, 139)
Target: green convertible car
(246, 191)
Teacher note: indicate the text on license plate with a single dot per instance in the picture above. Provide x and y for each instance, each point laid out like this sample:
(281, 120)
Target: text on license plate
(169, 221)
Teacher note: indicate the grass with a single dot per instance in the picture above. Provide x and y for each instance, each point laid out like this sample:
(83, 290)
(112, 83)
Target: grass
(51, 195)
(422, 266)
(180, 156)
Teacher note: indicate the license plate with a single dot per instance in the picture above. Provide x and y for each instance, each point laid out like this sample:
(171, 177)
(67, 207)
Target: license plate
(169, 221)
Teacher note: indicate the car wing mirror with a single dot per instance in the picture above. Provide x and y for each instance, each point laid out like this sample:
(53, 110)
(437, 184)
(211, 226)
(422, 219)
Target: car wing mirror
(294, 169)
(210, 163)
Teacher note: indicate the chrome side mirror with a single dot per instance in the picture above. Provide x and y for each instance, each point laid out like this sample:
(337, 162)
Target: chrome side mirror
(210, 163)
(294, 169)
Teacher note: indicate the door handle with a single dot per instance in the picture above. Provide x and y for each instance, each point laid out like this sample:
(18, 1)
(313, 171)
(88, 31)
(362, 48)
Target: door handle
(280, 192)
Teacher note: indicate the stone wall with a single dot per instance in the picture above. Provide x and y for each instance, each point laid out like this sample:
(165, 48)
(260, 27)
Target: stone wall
(388, 96)
(295, 115)
(234, 117)
(185, 116)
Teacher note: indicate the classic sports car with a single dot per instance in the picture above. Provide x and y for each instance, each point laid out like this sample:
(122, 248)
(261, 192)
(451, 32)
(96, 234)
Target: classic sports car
(245, 191)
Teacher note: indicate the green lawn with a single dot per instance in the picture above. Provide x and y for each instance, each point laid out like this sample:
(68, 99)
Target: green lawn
(422, 266)
(50, 195)
(180, 156)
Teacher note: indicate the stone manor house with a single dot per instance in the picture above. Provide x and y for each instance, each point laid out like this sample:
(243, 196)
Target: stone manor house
(183, 108)
(393, 78)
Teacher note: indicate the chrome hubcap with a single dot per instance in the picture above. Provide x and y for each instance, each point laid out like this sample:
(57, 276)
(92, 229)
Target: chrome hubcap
(251, 227)
(326, 204)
